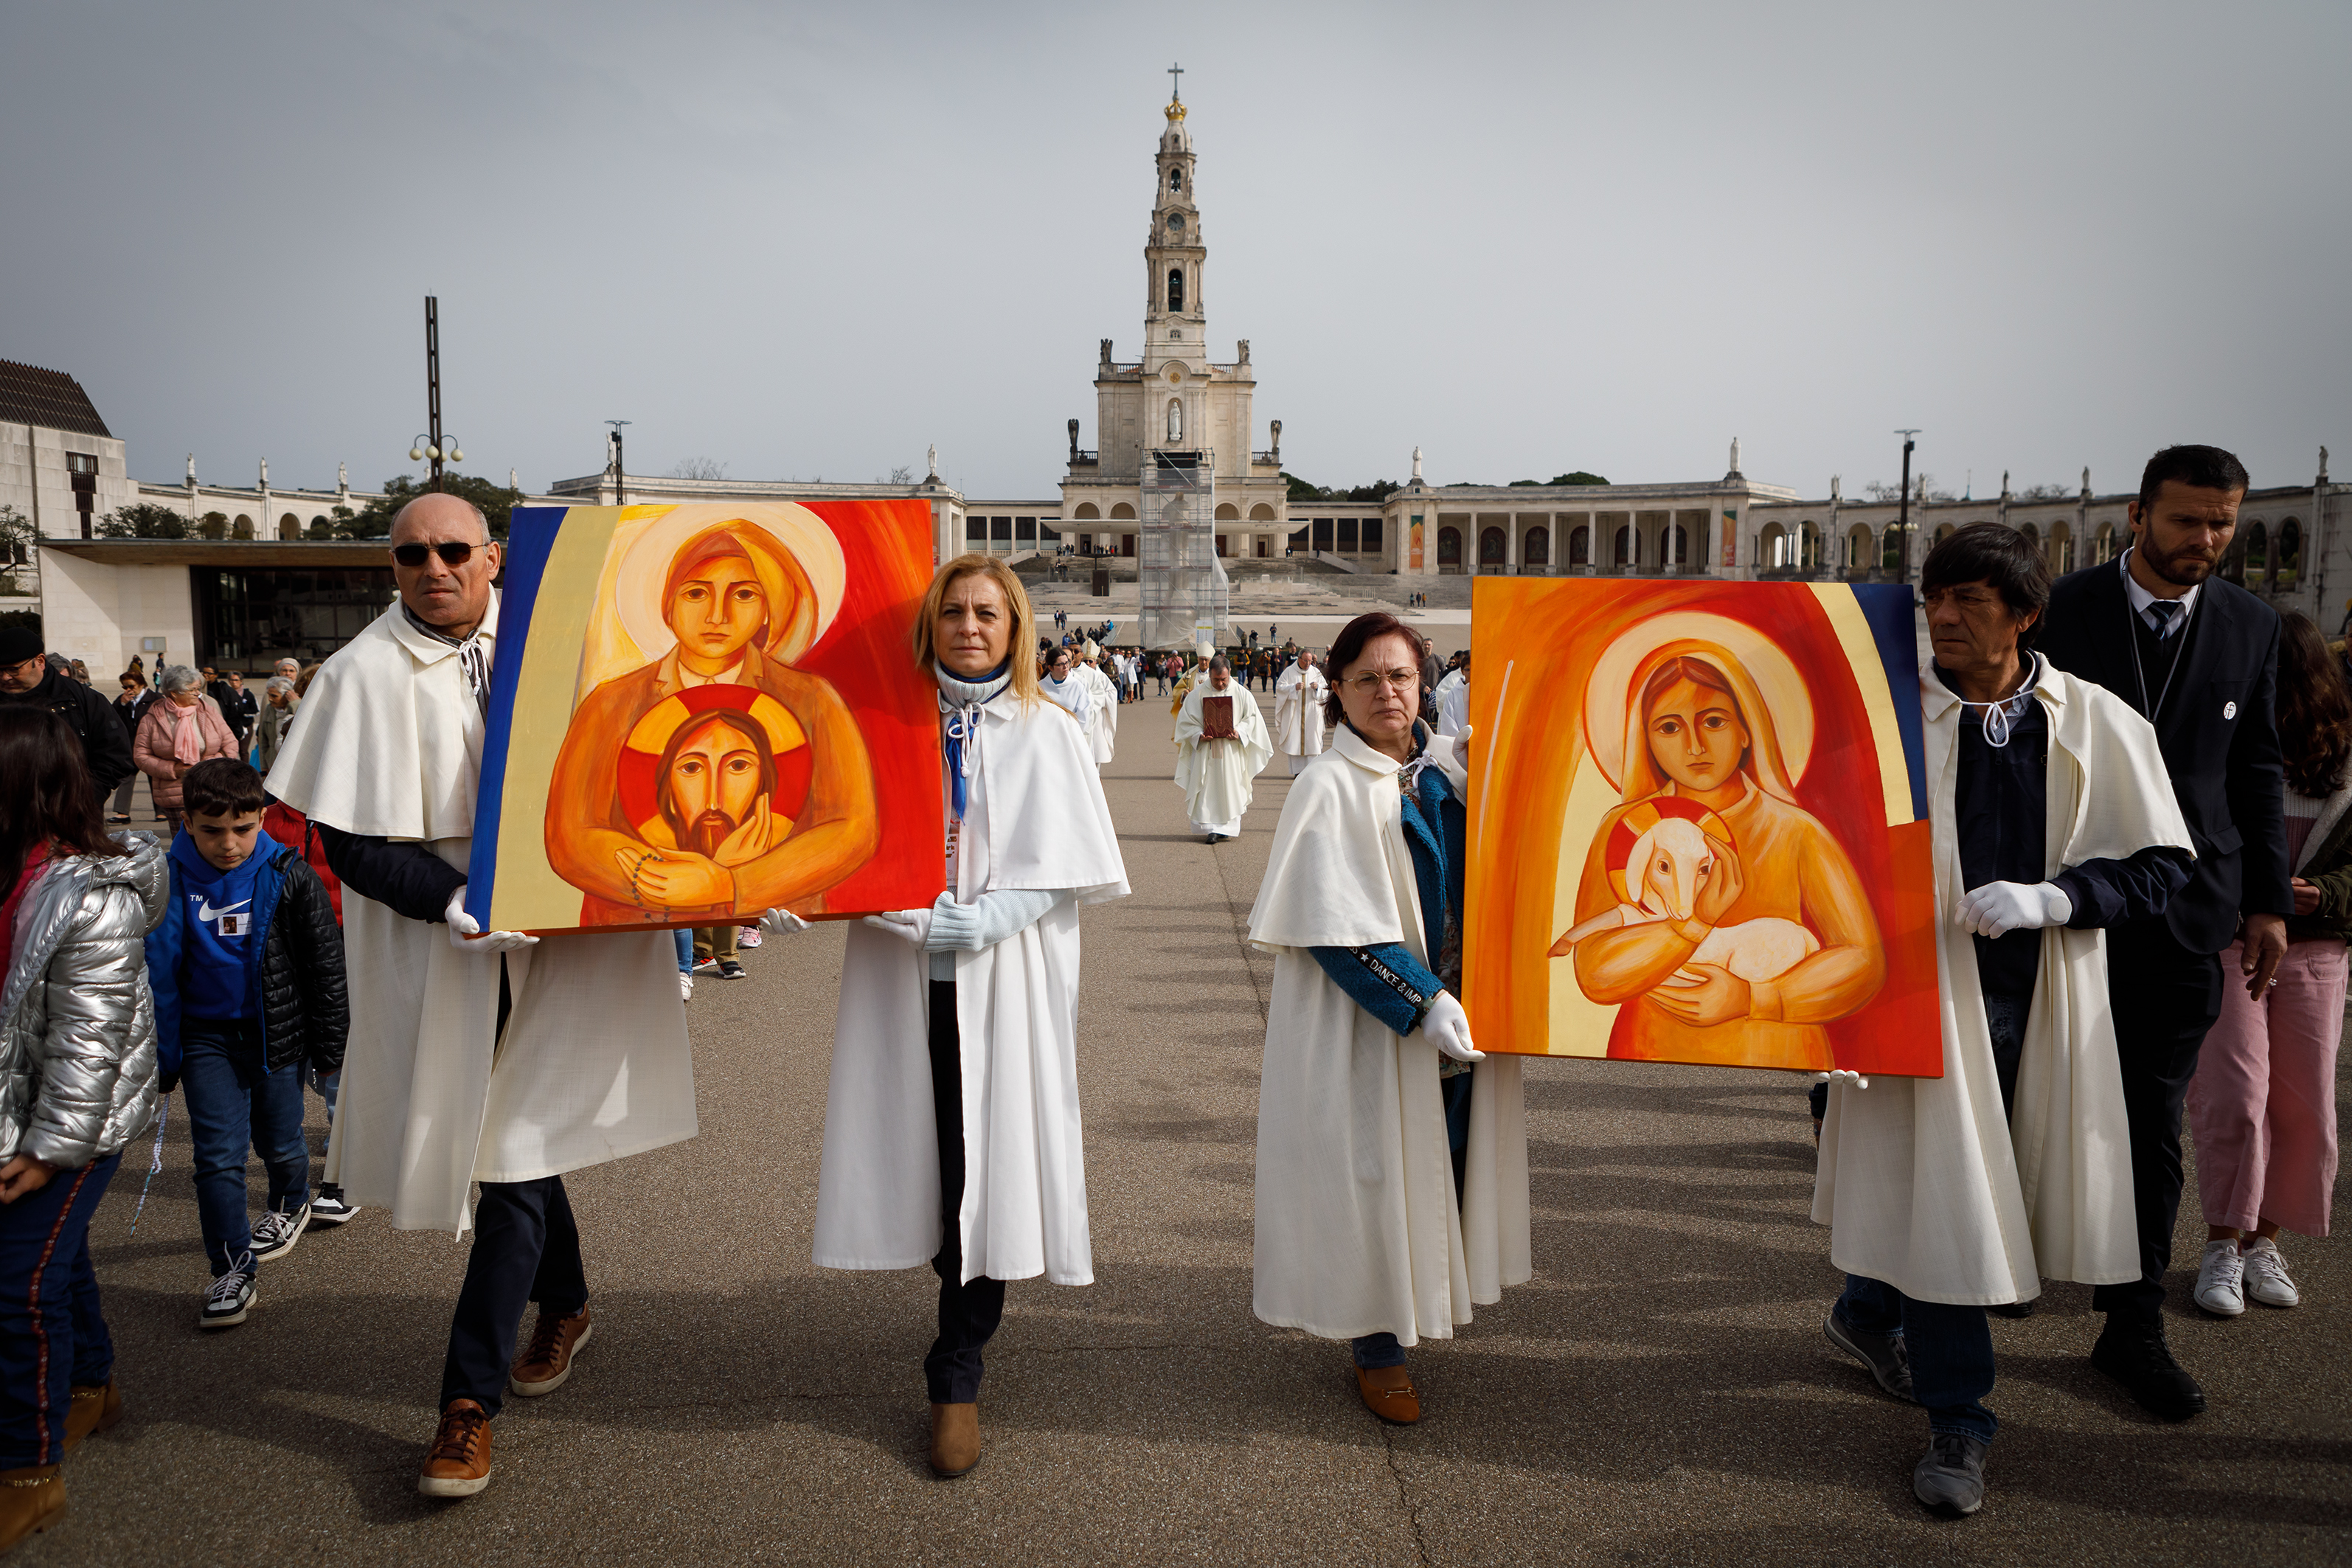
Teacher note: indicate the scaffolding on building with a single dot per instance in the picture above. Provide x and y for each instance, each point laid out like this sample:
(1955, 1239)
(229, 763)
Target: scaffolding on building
(1184, 589)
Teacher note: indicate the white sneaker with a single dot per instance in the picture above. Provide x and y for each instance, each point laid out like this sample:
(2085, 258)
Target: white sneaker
(2218, 1290)
(2266, 1280)
(684, 986)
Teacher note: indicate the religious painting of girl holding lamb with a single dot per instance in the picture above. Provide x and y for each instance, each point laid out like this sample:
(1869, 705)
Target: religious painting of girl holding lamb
(1699, 829)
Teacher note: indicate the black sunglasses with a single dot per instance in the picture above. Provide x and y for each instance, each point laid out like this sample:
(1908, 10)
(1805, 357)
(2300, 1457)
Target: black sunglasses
(455, 553)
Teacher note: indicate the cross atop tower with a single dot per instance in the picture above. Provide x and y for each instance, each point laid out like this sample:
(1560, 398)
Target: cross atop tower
(1175, 84)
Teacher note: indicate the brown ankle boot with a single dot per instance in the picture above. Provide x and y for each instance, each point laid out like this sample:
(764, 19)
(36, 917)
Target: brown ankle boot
(94, 1410)
(31, 1499)
(955, 1438)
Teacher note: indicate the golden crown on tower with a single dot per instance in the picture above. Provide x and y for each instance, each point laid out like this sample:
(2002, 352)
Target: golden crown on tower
(1175, 110)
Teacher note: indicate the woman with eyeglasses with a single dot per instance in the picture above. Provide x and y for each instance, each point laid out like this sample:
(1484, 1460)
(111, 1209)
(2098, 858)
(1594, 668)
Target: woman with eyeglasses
(175, 734)
(1392, 1153)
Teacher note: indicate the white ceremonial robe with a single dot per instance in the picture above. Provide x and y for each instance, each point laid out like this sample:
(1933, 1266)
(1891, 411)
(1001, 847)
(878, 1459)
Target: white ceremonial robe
(1102, 729)
(593, 1064)
(1072, 695)
(1357, 1231)
(1034, 818)
(1298, 714)
(1216, 776)
(1454, 710)
(1924, 1183)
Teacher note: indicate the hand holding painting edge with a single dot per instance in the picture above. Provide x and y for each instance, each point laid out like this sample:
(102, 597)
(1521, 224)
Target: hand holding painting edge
(466, 933)
(782, 922)
(1448, 1028)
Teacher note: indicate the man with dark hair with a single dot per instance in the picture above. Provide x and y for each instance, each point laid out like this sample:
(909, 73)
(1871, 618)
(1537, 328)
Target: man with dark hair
(2195, 655)
(28, 678)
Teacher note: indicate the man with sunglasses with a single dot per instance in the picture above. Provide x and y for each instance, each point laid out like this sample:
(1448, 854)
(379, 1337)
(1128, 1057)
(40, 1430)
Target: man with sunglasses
(493, 1057)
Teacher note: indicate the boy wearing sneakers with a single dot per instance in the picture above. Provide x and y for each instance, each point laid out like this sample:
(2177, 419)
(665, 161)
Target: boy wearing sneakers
(248, 971)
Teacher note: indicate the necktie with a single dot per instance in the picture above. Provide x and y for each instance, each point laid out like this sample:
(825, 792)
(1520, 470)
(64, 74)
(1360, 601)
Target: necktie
(2163, 616)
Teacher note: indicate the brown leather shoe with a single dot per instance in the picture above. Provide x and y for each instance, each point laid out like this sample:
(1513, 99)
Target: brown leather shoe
(31, 1499)
(93, 1410)
(1389, 1394)
(546, 1361)
(955, 1438)
(459, 1463)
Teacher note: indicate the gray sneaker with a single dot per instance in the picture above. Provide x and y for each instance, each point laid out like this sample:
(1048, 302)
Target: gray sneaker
(1950, 1478)
(1884, 1356)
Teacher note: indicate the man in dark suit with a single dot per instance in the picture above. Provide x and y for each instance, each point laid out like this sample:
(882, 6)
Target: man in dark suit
(2197, 655)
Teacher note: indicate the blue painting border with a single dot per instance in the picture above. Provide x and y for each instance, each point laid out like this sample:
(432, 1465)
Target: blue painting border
(1894, 627)
(531, 540)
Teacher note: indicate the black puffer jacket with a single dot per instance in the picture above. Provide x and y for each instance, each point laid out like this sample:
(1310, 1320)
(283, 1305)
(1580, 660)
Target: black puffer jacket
(305, 1007)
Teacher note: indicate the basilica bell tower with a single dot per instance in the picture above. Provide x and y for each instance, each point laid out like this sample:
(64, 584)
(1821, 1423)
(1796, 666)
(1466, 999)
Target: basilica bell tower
(1174, 323)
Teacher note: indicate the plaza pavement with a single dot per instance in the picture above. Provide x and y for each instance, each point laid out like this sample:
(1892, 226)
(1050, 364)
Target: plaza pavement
(1660, 1392)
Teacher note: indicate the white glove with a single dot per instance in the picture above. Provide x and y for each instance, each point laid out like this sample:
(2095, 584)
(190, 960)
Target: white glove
(783, 923)
(466, 932)
(1849, 1077)
(912, 927)
(1999, 908)
(1448, 1028)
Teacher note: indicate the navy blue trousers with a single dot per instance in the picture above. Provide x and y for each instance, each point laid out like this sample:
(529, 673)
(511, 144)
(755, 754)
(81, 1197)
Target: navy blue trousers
(526, 1249)
(969, 1312)
(52, 1334)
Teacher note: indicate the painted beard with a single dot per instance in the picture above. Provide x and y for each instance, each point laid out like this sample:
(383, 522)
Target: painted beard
(706, 832)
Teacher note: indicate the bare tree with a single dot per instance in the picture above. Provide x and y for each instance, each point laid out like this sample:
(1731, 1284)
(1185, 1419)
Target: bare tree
(901, 475)
(699, 469)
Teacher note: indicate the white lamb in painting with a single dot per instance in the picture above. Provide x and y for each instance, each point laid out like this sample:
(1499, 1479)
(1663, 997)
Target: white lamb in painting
(1676, 860)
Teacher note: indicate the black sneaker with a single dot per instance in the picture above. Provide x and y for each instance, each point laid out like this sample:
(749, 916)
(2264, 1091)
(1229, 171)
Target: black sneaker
(331, 1208)
(731, 970)
(230, 1297)
(274, 1235)
(1950, 1479)
(2133, 1353)
(1885, 1356)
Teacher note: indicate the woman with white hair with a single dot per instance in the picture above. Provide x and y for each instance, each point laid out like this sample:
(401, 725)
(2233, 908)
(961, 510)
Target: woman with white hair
(278, 703)
(177, 733)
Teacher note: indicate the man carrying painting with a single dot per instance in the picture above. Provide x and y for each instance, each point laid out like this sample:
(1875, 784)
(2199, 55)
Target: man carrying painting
(499, 1058)
(1950, 1195)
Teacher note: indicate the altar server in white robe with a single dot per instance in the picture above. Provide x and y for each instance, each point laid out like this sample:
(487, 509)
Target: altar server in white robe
(499, 1059)
(1392, 1153)
(1102, 730)
(951, 1128)
(1453, 702)
(1217, 775)
(1066, 688)
(2054, 818)
(1299, 699)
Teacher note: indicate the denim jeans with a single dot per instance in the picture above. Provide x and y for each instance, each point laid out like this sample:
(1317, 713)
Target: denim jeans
(685, 950)
(1951, 1351)
(233, 1106)
(52, 1336)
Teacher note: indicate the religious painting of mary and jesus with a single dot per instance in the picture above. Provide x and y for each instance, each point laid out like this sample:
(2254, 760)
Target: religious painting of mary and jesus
(701, 712)
(1698, 826)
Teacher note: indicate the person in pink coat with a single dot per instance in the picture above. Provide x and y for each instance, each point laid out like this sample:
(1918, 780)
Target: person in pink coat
(175, 734)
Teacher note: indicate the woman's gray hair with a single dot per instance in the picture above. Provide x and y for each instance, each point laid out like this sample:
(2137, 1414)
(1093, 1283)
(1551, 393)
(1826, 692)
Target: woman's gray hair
(175, 677)
(278, 683)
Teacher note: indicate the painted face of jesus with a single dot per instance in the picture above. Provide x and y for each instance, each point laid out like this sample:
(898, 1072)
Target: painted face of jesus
(1696, 735)
(716, 611)
(714, 782)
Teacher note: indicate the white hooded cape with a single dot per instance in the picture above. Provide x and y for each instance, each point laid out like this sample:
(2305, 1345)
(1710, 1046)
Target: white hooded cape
(1298, 711)
(1033, 818)
(1102, 729)
(1357, 1230)
(1216, 776)
(593, 1064)
(1924, 1183)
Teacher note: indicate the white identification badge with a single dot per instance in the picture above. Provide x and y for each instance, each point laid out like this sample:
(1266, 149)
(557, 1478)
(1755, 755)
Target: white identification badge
(235, 925)
(2229, 710)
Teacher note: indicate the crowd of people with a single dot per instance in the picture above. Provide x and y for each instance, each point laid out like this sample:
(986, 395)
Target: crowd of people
(2141, 782)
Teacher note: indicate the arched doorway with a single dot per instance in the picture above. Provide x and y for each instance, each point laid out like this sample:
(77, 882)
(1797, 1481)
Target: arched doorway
(2290, 555)
(1809, 546)
(1772, 547)
(1449, 549)
(1490, 547)
(1580, 546)
(2258, 556)
(1674, 545)
(1537, 551)
(1858, 548)
(2061, 550)
(1627, 550)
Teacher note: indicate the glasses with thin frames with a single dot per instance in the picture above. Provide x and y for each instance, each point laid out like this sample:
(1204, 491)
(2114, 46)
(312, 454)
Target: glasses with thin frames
(455, 552)
(1364, 685)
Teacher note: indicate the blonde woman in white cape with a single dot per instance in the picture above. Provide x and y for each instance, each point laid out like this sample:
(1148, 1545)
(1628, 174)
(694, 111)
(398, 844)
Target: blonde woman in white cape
(1392, 1153)
(2054, 818)
(951, 1132)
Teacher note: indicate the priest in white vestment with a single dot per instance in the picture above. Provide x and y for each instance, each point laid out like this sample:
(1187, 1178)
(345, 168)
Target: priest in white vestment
(951, 1128)
(1102, 730)
(1392, 1153)
(1298, 711)
(2054, 817)
(499, 1059)
(1221, 748)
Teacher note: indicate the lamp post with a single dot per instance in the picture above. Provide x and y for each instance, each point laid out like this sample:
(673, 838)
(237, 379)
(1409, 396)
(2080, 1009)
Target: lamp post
(1902, 517)
(620, 485)
(429, 444)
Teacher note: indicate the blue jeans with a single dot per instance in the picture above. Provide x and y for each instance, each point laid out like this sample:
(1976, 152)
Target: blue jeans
(1951, 1351)
(49, 1319)
(235, 1105)
(685, 950)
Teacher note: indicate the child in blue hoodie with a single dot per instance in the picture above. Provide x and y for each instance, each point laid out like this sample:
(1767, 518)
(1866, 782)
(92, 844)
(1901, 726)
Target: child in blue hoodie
(247, 972)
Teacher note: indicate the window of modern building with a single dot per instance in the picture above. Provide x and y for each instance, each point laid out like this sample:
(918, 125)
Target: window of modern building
(1371, 534)
(1299, 540)
(1322, 534)
(1048, 534)
(1000, 529)
(975, 529)
(1347, 535)
(1025, 530)
(246, 620)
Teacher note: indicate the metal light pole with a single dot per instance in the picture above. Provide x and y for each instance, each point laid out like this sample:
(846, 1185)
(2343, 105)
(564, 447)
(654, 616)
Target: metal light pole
(1902, 518)
(428, 444)
(620, 484)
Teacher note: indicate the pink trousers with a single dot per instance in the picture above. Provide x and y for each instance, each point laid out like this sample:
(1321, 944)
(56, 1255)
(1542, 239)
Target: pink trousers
(2262, 1104)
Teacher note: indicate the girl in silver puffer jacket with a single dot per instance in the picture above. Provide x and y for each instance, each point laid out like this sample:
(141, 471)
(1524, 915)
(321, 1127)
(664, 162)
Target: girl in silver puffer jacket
(76, 1082)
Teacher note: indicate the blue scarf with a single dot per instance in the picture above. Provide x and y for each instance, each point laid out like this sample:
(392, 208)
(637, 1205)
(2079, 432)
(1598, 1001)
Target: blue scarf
(961, 700)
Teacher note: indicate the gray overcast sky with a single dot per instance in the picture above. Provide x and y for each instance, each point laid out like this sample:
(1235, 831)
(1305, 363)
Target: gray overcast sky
(809, 240)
